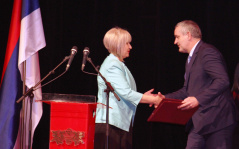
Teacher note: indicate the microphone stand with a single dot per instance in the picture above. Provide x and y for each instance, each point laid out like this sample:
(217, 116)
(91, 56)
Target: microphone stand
(107, 90)
(30, 94)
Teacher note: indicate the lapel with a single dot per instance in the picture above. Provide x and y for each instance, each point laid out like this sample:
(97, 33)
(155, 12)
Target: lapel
(190, 64)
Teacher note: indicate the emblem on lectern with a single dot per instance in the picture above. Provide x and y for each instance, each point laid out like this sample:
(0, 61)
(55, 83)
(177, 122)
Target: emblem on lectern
(69, 136)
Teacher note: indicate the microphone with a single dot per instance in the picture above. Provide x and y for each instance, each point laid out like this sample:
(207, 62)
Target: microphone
(86, 52)
(73, 53)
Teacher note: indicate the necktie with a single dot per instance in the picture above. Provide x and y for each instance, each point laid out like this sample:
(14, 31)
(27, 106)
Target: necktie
(189, 58)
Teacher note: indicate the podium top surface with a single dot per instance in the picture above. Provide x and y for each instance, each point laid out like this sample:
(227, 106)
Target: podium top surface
(56, 97)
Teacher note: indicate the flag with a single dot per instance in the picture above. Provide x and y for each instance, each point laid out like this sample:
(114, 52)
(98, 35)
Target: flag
(26, 38)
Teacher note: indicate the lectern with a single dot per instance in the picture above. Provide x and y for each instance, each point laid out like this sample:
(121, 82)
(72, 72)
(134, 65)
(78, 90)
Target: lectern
(72, 120)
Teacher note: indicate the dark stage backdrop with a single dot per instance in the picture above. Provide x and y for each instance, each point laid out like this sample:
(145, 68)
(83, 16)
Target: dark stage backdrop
(154, 60)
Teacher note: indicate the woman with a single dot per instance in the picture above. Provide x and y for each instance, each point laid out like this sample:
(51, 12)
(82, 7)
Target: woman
(121, 113)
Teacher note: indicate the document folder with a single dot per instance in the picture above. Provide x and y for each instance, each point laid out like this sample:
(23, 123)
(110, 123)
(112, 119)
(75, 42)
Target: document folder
(168, 112)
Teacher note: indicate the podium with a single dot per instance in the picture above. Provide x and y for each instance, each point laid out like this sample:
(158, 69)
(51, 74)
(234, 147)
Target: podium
(72, 120)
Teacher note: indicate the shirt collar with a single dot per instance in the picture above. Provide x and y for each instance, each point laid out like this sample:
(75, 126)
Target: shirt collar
(191, 52)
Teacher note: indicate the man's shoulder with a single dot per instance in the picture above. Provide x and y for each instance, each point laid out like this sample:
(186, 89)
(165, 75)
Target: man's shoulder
(208, 52)
(207, 48)
(205, 45)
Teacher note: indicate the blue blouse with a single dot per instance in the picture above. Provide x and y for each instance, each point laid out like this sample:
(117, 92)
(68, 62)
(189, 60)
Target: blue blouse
(120, 112)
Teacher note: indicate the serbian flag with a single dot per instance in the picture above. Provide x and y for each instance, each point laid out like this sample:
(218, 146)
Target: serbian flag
(26, 38)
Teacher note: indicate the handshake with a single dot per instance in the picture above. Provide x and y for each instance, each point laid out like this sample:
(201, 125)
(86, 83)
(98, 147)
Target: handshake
(152, 99)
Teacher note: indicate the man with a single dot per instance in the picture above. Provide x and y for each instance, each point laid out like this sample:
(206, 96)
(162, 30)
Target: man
(206, 86)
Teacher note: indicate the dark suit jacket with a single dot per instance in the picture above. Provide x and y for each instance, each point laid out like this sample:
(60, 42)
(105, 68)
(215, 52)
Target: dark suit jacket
(207, 80)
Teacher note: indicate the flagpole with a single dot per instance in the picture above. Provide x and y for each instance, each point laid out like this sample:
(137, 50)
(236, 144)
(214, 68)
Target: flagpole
(26, 132)
(23, 108)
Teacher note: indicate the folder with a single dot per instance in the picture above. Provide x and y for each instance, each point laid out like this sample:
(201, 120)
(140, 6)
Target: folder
(167, 112)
